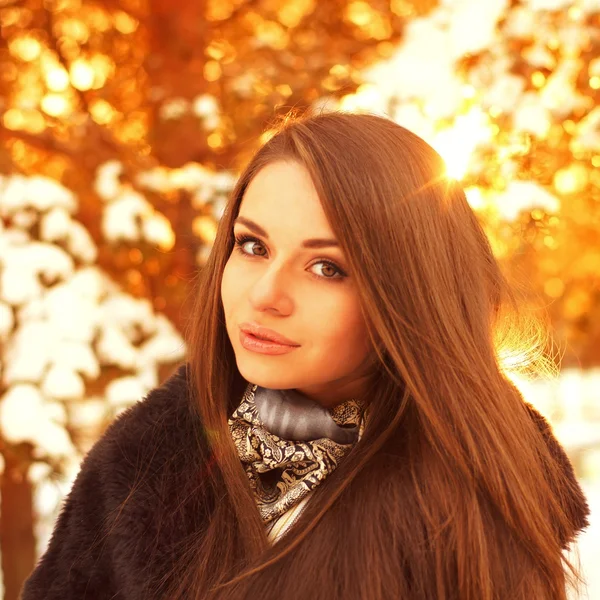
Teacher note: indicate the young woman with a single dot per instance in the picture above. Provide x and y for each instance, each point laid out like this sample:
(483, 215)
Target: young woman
(374, 450)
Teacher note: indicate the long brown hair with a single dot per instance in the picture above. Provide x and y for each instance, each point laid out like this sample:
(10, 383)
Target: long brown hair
(452, 491)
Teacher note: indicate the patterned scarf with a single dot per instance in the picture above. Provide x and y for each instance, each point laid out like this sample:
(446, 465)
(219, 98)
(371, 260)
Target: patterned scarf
(289, 443)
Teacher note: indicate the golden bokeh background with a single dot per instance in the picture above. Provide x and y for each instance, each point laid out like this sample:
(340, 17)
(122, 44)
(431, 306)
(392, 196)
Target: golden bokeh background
(123, 124)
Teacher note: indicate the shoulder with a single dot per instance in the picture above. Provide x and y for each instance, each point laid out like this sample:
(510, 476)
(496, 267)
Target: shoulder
(143, 442)
(165, 409)
(552, 442)
(164, 403)
(572, 497)
(161, 431)
(130, 504)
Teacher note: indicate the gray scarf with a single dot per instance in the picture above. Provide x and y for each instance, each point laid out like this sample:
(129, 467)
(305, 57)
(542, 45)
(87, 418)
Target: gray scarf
(289, 443)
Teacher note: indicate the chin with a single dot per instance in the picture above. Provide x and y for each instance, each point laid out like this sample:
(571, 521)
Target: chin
(268, 377)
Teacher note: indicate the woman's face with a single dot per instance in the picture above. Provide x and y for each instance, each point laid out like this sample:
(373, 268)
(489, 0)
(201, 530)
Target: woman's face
(276, 282)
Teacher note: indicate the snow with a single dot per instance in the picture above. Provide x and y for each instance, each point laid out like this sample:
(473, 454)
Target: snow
(549, 4)
(7, 320)
(24, 219)
(114, 348)
(588, 131)
(76, 318)
(157, 230)
(431, 57)
(463, 36)
(90, 283)
(538, 55)
(425, 61)
(128, 215)
(78, 356)
(17, 406)
(55, 224)
(132, 316)
(28, 353)
(25, 265)
(521, 22)
(87, 415)
(121, 217)
(165, 347)
(532, 116)
(504, 92)
(156, 180)
(39, 471)
(125, 391)
(524, 195)
(26, 416)
(63, 320)
(106, 183)
(16, 286)
(80, 243)
(37, 191)
(63, 383)
(560, 95)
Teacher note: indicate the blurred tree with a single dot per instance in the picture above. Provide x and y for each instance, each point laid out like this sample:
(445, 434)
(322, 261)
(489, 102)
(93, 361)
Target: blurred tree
(509, 94)
(168, 83)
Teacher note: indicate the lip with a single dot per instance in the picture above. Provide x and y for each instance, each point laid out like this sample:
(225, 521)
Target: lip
(266, 334)
(255, 344)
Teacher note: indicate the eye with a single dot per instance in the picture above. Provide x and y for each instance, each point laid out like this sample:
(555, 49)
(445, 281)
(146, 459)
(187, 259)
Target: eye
(242, 240)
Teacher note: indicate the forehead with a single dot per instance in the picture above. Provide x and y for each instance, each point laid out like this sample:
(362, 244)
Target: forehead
(281, 176)
(283, 194)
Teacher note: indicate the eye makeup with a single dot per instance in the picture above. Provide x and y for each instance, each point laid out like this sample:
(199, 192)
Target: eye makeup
(242, 239)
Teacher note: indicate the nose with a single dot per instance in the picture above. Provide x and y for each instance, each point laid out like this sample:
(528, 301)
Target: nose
(271, 289)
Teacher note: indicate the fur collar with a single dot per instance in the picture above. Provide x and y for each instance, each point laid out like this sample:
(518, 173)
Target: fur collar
(138, 499)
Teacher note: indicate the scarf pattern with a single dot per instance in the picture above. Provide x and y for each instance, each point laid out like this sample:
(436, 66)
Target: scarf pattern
(283, 469)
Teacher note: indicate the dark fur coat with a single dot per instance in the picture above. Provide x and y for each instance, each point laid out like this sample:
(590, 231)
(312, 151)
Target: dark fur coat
(137, 499)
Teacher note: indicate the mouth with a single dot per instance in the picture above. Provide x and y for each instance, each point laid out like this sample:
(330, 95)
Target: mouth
(262, 339)
(264, 334)
(255, 344)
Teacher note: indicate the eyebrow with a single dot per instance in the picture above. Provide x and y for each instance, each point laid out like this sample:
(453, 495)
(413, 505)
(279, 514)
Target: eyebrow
(311, 243)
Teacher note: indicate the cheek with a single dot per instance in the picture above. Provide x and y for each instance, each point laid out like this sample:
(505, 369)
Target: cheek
(227, 288)
(342, 328)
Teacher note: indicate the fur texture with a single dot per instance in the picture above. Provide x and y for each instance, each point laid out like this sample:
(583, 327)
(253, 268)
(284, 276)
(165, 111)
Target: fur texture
(139, 497)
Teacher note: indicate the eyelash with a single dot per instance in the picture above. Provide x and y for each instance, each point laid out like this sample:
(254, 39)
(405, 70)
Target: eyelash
(240, 240)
